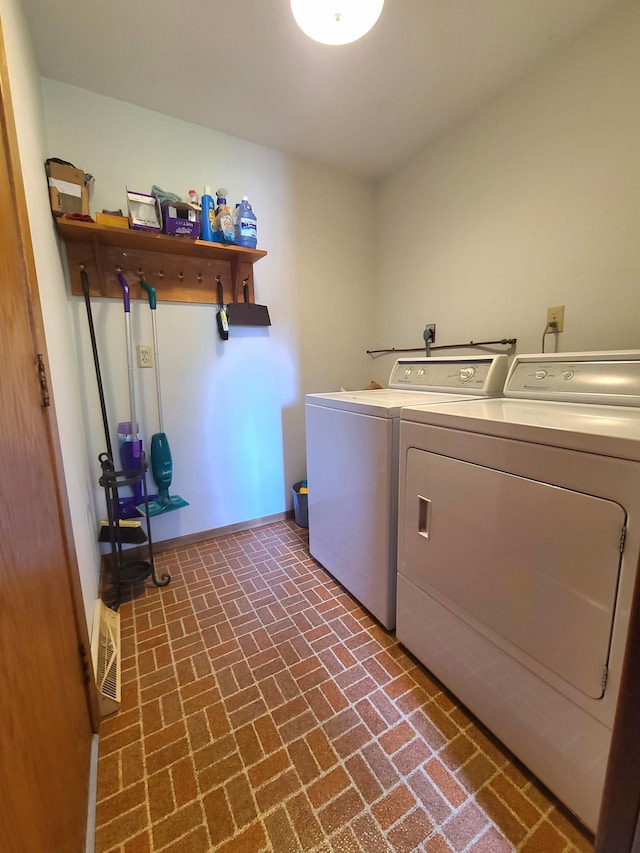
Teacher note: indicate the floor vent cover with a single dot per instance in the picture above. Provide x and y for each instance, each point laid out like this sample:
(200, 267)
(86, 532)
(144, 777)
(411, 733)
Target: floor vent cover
(105, 654)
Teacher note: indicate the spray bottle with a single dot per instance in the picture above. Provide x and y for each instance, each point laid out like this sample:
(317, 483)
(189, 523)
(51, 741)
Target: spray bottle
(223, 225)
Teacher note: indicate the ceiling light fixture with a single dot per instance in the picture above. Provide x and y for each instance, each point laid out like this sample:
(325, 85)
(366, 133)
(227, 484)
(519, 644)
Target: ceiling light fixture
(336, 21)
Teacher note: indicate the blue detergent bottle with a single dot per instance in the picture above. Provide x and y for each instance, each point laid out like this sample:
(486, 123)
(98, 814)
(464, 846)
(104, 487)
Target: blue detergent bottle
(207, 215)
(246, 225)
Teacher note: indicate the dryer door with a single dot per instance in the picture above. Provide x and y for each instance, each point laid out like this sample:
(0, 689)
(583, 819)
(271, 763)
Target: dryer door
(532, 566)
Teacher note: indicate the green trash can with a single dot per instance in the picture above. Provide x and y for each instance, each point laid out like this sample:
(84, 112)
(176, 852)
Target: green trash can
(300, 504)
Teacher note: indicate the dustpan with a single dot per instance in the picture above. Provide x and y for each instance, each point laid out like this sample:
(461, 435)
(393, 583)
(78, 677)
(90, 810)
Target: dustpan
(247, 313)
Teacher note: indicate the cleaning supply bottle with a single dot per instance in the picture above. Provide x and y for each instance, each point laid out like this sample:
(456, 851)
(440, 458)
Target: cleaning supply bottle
(125, 432)
(223, 224)
(207, 217)
(130, 450)
(246, 225)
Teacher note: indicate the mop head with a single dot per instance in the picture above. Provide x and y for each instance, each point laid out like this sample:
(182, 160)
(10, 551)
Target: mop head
(163, 504)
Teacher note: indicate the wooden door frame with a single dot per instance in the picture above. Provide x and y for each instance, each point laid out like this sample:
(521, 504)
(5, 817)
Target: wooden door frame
(619, 824)
(32, 297)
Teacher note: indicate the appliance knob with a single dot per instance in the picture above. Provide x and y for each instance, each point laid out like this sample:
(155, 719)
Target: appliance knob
(466, 373)
(568, 374)
(540, 374)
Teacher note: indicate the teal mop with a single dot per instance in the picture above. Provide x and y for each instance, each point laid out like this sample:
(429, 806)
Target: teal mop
(161, 462)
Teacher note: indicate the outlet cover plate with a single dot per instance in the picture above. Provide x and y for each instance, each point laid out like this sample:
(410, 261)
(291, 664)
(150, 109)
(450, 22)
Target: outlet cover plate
(145, 356)
(555, 314)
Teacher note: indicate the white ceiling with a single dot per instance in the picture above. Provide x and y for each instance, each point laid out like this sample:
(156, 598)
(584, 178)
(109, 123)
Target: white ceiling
(243, 67)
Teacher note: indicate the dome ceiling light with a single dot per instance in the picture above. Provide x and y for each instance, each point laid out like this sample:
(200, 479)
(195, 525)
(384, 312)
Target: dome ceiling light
(336, 21)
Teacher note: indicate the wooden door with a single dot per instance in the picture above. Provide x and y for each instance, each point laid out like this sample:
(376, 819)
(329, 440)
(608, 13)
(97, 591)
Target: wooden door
(619, 824)
(45, 720)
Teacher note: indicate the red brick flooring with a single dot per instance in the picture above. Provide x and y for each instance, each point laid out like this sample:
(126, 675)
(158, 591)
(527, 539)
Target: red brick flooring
(264, 710)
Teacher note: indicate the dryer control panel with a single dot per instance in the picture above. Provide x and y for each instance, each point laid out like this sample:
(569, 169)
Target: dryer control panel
(606, 378)
(481, 376)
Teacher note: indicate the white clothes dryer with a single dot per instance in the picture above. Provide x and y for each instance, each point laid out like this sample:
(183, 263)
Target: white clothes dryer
(519, 539)
(352, 468)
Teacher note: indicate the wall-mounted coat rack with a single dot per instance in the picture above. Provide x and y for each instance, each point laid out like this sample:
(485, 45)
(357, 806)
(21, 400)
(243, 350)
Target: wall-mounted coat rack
(180, 269)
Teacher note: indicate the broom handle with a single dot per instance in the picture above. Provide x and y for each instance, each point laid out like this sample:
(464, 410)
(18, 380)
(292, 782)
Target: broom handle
(127, 327)
(157, 362)
(151, 293)
(132, 397)
(96, 361)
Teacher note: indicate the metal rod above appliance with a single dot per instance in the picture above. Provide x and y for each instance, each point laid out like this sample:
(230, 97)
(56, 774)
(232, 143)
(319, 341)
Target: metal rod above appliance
(502, 341)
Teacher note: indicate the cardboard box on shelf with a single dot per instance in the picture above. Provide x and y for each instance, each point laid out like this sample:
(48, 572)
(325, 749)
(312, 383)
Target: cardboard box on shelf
(144, 211)
(181, 219)
(112, 220)
(67, 190)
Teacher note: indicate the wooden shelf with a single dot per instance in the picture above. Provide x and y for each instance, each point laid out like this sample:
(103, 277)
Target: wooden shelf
(180, 269)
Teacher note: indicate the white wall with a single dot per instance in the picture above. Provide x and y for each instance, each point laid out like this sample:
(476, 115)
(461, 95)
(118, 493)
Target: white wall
(531, 202)
(27, 106)
(234, 411)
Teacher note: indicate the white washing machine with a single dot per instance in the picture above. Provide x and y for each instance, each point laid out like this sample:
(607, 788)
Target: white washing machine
(352, 468)
(519, 538)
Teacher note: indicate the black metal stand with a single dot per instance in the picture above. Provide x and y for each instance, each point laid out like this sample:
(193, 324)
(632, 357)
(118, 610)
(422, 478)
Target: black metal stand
(127, 571)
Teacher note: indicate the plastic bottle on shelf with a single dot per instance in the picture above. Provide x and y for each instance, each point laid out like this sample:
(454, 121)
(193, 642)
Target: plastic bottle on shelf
(246, 225)
(125, 432)
(193, 198)
(223, 224)
(207, 217)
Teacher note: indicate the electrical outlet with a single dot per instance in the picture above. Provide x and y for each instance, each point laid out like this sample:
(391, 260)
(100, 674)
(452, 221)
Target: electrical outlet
(145, 356)
(555, 314)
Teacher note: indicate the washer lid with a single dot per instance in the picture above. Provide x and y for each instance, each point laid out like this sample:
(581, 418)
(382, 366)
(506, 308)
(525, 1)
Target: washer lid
(381, 402)
(444, 379)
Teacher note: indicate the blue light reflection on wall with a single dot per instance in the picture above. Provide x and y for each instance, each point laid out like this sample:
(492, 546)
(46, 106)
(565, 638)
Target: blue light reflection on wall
(251, 383)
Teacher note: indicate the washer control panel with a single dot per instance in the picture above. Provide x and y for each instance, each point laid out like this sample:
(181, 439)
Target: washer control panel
(611, 378)
(482, 376)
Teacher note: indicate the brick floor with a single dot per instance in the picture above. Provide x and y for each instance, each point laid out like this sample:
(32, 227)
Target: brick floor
(264, 710)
